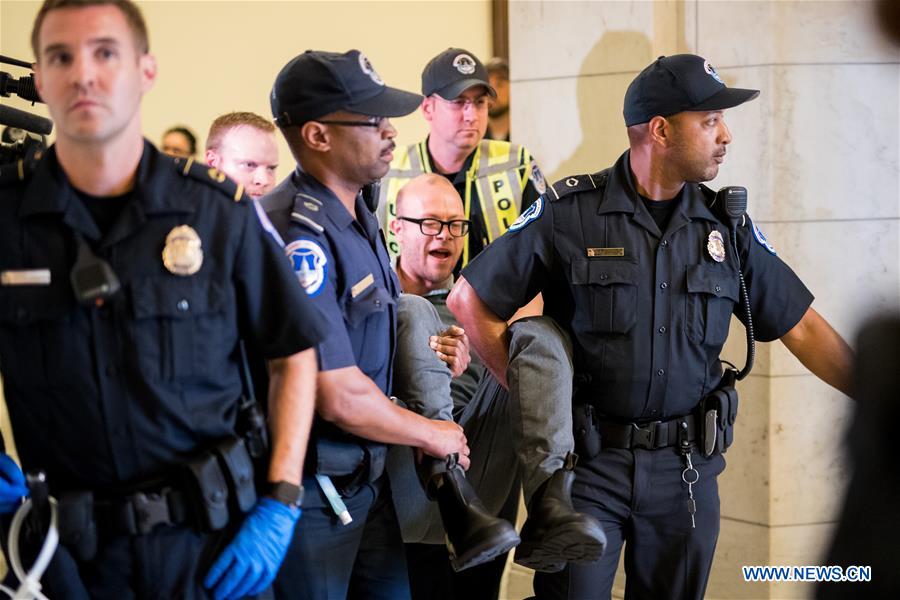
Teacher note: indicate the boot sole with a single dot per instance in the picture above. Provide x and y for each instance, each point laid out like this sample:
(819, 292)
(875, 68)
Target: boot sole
(565, 545)
(484, 553)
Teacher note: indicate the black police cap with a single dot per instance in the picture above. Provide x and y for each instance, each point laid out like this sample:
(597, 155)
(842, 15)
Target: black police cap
(452, 72)
(317, 83)
(673, 84)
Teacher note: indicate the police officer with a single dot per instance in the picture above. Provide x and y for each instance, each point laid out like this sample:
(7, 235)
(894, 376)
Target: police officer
(495, 179)
(334, 111)
(637, 267)
(127, 279)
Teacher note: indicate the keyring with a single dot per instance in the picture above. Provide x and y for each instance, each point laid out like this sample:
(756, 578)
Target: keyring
(695, 478)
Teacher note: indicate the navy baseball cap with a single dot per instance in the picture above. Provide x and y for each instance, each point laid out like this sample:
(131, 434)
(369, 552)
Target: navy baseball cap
(317, 83)
(673, 84)
(452, 72)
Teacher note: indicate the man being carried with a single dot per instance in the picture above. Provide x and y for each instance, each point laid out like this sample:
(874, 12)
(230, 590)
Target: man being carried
(431, 228)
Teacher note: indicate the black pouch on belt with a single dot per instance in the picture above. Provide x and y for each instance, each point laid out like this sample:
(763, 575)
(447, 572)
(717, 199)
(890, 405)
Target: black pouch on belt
(718, 412)
(587, 432)
(237, 465)
(77, 525)
(208, 490)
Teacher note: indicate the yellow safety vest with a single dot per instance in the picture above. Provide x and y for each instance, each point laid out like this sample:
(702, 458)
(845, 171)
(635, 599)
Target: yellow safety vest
(498, 173)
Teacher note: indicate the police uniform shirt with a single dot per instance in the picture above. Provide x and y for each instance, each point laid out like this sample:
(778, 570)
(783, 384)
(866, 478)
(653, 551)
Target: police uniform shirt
(648, 310)
(343, 265)
(117, 392)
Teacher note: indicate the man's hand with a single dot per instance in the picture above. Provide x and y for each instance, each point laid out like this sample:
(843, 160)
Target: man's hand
(12, 485)
(452, 347)
(447, 437)
(250, 562)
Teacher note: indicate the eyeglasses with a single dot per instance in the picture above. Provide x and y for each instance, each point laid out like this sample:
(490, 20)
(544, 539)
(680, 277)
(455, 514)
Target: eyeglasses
(457, 227)
(479, 103)
(370, 122)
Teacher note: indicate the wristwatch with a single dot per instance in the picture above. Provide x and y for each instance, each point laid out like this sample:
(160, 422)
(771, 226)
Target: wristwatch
(286, 493)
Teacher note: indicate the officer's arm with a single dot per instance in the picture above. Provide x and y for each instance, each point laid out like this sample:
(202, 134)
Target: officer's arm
(351, 400)
(488, 333)
(292, 403)
(821, 350)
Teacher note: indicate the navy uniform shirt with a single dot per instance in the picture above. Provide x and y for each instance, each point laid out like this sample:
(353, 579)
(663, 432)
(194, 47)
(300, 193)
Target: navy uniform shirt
(111, 394)
(648, 310)
(343, 264)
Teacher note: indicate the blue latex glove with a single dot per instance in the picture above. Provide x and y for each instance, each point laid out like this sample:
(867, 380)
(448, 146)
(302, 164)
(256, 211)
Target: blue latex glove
(12, 485)
(250, 562)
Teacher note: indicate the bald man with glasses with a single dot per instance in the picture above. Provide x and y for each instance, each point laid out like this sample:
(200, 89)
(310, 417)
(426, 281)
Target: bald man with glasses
(431, 227)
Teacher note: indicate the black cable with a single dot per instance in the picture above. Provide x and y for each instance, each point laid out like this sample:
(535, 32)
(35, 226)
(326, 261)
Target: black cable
(745, 301)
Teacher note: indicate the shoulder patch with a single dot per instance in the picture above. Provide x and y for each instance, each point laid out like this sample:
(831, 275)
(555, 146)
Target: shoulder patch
(307, 211)
(761, 238)
(537, 178)
(310, 264)
(571, 185)
(209, 175)
(531, 214)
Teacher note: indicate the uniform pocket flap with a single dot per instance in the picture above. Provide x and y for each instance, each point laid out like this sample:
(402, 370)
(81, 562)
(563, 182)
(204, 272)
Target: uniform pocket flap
(176, 298)
(713, 280)
(604, 272)
(373, 299)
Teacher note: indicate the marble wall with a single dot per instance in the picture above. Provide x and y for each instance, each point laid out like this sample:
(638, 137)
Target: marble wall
(818, 151)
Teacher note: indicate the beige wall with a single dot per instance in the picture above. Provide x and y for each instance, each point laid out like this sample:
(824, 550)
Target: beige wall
(216, 57)
(818, 151)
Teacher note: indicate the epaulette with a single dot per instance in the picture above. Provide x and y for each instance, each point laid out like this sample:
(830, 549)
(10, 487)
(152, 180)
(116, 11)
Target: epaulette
(307, 212)
(577, 183)
(209, 175)
(20, 170)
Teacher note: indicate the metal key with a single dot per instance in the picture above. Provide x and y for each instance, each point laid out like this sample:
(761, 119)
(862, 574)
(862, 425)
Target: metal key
(690, 476)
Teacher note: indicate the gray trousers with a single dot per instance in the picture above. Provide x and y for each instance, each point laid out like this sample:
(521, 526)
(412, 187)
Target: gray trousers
(530, 427)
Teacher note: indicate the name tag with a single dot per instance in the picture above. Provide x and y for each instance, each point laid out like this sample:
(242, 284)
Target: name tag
(594, 252)
(361, 285)
(25, 277)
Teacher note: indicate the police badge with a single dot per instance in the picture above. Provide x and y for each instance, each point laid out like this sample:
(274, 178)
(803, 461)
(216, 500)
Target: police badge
(715, 245)
(183, 254)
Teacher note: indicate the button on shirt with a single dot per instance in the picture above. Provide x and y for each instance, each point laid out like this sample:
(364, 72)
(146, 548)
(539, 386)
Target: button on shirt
(108, 394)
(648, 310)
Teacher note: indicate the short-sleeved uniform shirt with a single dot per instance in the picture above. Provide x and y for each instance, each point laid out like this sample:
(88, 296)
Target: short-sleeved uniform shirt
(343, 265)
(648, 310)
(108, 394)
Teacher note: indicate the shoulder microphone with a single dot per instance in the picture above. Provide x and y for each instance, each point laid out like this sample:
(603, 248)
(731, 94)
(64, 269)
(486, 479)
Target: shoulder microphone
(733, 199)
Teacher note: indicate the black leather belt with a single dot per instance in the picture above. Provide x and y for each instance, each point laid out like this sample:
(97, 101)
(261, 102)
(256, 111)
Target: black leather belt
(650, 436)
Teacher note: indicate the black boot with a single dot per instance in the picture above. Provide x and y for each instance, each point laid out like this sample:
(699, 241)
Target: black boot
(474, 536)
(554, 533)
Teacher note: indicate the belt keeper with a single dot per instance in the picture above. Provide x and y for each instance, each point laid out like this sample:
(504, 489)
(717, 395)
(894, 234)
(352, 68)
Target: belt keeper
(683, 435)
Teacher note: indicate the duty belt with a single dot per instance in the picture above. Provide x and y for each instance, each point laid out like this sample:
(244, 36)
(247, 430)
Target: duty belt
(139, 513)
(649, 436)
